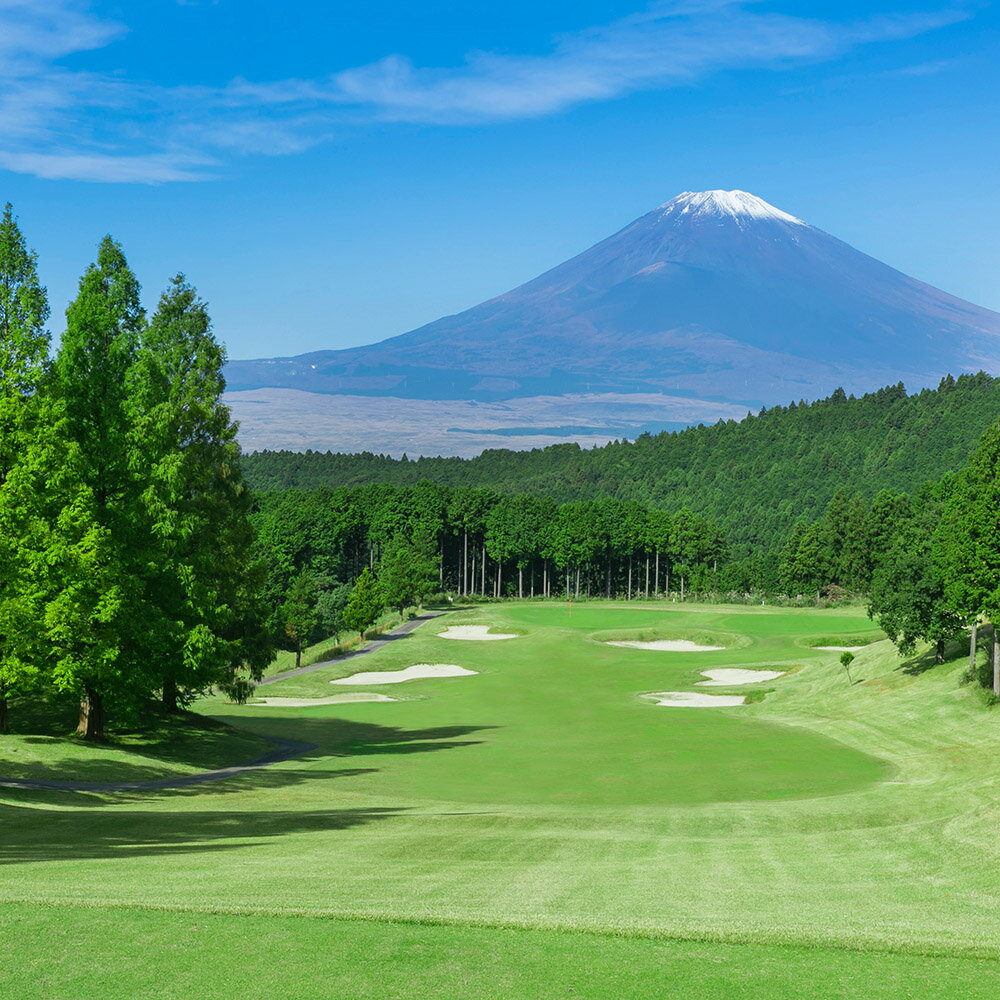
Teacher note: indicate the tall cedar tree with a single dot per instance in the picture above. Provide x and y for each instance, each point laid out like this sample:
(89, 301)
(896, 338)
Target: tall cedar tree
(81, 527)
(24, 348)
(198, 570)
(365, 604)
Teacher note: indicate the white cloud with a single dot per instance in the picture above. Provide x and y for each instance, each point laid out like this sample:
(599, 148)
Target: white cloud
(60, 123)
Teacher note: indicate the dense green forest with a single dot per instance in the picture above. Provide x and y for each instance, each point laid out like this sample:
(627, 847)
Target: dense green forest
(475, 542)
(755, 478)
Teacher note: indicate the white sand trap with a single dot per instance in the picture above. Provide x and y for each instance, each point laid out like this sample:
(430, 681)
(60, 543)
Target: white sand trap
(337, 699)
(474, 633)
(841, 649)
(695, 699)
(667, 645)
(416, 672)
(732, 675)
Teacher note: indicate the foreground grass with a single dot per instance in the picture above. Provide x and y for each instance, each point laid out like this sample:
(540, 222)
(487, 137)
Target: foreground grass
(543, 793)
(219, 956)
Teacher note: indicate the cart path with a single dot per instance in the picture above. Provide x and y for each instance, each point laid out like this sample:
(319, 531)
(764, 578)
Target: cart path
(404, 628)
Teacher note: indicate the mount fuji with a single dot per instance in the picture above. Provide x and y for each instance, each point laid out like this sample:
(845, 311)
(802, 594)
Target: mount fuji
(716, 301)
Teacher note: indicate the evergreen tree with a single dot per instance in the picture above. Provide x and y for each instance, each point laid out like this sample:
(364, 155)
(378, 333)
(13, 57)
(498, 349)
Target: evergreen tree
(199, 570)
(365, 604)
(299, 617)
(77, 509)
(409, 570)
(24, 345)
(968, 541)
(330, 605)
(908, 590)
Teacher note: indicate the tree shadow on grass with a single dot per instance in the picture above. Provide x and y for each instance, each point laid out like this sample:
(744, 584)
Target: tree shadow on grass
(350, 738)
(927, 660)
(315, 740)
(36, 835)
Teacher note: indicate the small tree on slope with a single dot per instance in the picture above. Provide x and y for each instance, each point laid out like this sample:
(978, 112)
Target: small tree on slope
(365, 604)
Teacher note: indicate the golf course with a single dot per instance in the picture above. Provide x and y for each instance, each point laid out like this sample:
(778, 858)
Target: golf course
(534, 824)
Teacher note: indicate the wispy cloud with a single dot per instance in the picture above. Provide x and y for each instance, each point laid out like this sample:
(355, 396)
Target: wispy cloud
(69, 124)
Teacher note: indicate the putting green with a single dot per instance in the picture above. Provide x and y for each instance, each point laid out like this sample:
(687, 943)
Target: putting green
(543, 792)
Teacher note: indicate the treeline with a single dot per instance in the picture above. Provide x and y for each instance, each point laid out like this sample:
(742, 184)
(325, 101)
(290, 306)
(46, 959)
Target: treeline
(126, 556)
(473, 542)
(928, 563)
(754, 478)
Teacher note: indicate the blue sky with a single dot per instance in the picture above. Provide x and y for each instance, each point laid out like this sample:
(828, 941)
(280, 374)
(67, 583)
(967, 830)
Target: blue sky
(329, 174)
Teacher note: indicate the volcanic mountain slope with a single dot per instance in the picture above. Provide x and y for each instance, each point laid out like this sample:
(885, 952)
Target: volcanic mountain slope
(715, 295)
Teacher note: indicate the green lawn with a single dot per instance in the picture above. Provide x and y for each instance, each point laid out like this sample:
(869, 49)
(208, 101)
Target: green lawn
(541, 830)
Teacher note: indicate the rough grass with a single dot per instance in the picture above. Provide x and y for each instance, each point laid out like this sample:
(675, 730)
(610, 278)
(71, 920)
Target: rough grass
(740, 848)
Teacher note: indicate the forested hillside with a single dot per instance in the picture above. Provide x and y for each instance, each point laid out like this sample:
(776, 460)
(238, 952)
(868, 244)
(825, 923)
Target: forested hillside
(756, 478)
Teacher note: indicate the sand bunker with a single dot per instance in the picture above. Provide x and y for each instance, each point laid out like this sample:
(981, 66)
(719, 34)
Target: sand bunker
(841, 649)
(337, 699)
(667, 645)
(474, 633)
(416, 672)
(695, 699)
(728, 676)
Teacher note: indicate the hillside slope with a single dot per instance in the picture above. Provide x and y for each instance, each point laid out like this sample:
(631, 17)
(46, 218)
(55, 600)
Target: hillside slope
(755, 477)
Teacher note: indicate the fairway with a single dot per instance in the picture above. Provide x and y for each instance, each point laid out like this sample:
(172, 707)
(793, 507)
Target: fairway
(542, 811)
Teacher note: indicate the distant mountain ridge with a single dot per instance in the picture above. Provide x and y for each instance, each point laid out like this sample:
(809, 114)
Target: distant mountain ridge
(715, 295)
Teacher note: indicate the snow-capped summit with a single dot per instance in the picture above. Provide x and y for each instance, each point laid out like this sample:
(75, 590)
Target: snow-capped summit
(715, 295)
(738, 204)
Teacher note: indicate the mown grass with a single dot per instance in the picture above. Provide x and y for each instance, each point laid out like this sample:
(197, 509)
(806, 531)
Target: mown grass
(544, 794)
(119, 955)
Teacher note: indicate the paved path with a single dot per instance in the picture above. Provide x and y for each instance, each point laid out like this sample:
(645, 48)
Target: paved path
(404, 628)
(286, 750)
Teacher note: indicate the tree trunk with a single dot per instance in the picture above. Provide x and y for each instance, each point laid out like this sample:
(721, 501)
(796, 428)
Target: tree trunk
(682, 589)
(499, 580)
(973, 635)
(482, 572)
(298, 656)
(628, 596)
(939, 651)
(4, 717)
(607, 580)
(996, 661)
(656, 575)
(472, 579)
(91, 726)
(520, 582)
(646, 592)
(465, 563)
(577, 594)
(667, 581)
(545, 578)
(169, 696)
